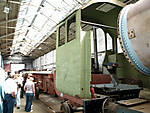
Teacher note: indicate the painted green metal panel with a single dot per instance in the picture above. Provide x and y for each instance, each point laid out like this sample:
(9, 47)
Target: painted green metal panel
(73, 64)
(125, 70)
(68, 68)
(85, 43)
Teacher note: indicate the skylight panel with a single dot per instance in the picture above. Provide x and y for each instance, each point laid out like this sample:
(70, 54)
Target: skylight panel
(38, 23)
(39, 37)
(32, 9)
(48, 9)
(50, 24)
(36, 2)
(38, 18)
(31, 14)
(56, 18)
(47, 28)
(60, 5)
(28, 45)
(23, 10)
(32, 33)
(73, 3)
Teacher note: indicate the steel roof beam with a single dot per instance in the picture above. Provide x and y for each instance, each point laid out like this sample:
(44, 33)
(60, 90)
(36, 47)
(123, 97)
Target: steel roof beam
(8, 43)
(2, 50)
(8, 27)
(10, 34)
(4, 22)
(7, 35)
(11, 39)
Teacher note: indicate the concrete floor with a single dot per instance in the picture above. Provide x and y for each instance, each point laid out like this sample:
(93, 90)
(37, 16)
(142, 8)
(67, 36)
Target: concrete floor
(38, 107)
(49, 104)
(53, 103)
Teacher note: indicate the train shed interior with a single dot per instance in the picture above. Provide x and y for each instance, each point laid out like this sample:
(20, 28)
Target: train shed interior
(85, 56)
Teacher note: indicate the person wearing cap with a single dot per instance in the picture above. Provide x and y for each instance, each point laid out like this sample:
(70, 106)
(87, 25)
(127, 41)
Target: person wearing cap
(10, 94)
(2, 81)
(28, 77)
(30, 92)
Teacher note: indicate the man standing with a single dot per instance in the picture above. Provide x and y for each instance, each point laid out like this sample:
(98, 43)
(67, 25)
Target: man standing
(10, 94)
(2, 80)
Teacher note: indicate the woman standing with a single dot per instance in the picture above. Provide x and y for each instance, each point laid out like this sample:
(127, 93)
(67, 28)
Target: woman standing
(30, 92)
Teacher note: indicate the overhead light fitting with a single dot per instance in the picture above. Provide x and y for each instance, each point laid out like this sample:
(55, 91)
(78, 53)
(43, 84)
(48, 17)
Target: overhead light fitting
(23, 39)
(105, 7)
(42, 5)
(39, 48)
(29, 25)
(20, 45)
(6, 10)
(11, 48)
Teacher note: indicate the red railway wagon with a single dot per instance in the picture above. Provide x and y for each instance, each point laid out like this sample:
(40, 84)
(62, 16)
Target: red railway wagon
(44, 81)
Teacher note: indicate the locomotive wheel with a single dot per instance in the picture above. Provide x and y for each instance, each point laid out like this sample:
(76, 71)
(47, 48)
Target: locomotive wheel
(106, 104)
(65, 108)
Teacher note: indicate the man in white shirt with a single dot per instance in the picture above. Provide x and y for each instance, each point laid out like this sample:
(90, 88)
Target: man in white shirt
(2, 81)
(10, 89)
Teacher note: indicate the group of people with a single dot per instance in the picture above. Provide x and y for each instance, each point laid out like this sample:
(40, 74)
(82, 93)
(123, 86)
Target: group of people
(10, 89)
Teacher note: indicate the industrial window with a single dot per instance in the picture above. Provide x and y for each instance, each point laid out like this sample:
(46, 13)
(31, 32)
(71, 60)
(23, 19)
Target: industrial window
(119, 46)
(62, 33)
(71, 26)
(17, 67)
(100, 40)
(109, 42)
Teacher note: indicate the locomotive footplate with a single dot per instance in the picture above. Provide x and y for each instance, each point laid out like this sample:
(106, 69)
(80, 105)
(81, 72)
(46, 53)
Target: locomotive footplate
(93, 105)
(119, 92)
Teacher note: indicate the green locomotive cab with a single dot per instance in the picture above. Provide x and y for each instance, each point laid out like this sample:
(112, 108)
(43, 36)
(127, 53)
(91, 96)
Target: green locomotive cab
(82, 62)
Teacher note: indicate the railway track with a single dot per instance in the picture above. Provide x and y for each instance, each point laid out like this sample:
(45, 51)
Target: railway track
(51, 102)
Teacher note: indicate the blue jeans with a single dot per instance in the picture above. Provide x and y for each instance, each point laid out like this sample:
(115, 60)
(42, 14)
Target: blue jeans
(1, 100)
(29, 98)
(9, 103)
(18, 98)
(1, 95)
